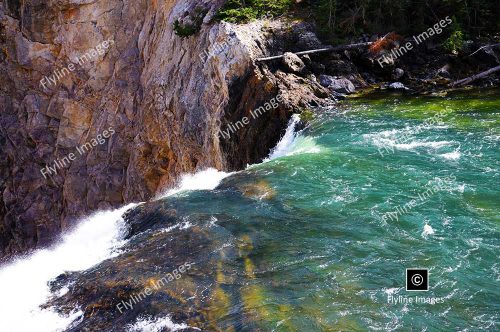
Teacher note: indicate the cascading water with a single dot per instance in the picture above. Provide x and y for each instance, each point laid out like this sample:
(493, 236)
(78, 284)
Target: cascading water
(24, 281)
(95, 239)
(286, 141)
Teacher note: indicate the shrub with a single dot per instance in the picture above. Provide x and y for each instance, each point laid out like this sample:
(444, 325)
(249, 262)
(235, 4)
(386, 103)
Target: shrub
(189, 29)
(240, 11)
(455, 42)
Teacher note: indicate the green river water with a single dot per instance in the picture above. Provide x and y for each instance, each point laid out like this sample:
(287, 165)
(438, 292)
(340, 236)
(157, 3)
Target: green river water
(317, 237)
(318, 252)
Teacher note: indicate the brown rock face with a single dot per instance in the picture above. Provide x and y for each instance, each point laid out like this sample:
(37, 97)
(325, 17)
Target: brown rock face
(101, 104)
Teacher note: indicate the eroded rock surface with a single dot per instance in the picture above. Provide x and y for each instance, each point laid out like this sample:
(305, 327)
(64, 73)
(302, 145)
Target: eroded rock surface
(163, 98)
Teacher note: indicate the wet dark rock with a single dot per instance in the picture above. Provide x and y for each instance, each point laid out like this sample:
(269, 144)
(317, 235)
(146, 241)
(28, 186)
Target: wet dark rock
(318, 68)
(305, 38)
(397, 73)
(306, 59)
(337, 95)
(149, 216)
(340, 67)
(326, 80)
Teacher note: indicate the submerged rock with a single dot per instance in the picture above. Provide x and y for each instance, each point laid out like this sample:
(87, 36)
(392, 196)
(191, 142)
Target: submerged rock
(259, 190)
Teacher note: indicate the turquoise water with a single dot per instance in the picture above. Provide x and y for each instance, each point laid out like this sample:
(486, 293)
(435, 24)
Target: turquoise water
(316, 238)
(315, 253)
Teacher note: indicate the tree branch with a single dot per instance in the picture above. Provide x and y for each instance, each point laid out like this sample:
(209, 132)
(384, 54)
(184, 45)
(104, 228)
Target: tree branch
(485, 46)
(477, 76)
(327, 49)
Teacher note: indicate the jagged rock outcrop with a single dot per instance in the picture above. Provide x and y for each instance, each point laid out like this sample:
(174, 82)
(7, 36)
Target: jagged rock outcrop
(114, 106)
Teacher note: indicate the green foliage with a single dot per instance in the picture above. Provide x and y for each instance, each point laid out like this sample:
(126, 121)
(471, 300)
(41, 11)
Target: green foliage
(184, 30)
(188, 29)
(455, 43)
(242, 11)
(456, 40)
(339, 18)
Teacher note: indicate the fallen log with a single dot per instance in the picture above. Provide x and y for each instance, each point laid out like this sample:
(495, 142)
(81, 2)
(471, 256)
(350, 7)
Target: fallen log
(477, 76)
(485, 46)
(327, 49)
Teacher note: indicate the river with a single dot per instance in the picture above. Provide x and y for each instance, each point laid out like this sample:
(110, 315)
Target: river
(317, 237)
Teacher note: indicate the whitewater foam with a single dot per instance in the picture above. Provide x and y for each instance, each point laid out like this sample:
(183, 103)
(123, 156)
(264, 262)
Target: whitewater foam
(23, 283)
(284, 145)
(207, 179)
(428, 230)
(96, 238)
(402, 139)
(292, 143)
(145, 324)
(455, 155)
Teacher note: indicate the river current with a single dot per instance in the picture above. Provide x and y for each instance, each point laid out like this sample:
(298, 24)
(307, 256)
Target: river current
(317, 237)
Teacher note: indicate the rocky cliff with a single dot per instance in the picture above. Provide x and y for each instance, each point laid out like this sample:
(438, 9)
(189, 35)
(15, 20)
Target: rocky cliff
(102, 103)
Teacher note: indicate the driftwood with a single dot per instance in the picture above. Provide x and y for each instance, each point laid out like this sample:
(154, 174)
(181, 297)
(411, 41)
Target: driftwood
(327, 49)
(485, 46)
(477, 76)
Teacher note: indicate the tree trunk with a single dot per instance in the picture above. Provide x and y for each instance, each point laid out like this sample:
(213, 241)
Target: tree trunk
(477, 76)
(327, 49)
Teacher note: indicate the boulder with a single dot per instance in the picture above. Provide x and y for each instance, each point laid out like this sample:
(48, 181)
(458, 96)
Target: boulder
(326, 80)
(293, 63)
(397, 86)
(337, 84)
(342, 85)
(304, 37)
(397, 73)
